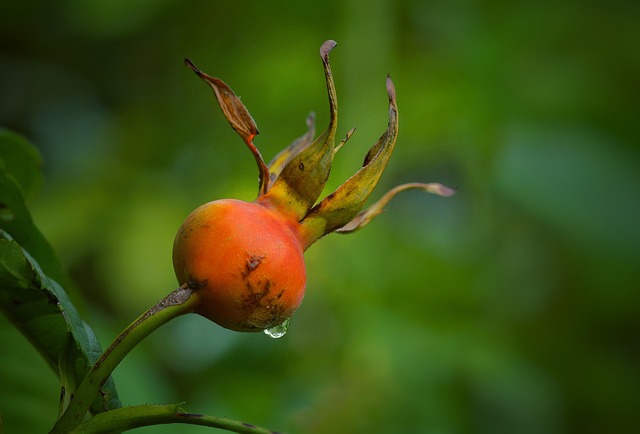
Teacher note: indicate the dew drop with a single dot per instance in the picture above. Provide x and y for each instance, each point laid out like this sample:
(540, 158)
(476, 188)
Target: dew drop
(278, 331)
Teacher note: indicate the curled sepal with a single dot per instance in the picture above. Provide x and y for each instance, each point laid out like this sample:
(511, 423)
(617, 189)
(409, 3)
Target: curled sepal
(345, 140)
(303, 178)
(239, 118)
(279, 161)
(364, 217)
(343, 205)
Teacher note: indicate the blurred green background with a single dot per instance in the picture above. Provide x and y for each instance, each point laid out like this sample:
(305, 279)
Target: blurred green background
(513, 307)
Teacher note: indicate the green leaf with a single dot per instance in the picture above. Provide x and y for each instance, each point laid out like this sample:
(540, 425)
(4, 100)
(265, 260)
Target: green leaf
(21, 160)
(14, 215)
(30, 296)
(41, 310)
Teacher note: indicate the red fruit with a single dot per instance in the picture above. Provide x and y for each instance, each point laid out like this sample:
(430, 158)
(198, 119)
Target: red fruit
(244, 261)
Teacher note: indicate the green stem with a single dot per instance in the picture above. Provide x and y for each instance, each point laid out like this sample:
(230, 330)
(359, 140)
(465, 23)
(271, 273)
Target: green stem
(179, 302)
(123, 419)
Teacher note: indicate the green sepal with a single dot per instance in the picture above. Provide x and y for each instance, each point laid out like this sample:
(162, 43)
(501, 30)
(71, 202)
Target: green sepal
(287, 154)
(364, 217)
(303, 178)
(341, 206)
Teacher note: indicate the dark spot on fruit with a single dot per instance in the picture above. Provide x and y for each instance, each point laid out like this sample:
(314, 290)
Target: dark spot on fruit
(255, 295)
(263, 309)
(301, 166)
(195, 284)
(252, 263)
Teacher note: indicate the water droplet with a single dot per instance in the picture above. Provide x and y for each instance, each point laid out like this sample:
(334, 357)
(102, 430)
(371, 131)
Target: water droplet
(278, 331)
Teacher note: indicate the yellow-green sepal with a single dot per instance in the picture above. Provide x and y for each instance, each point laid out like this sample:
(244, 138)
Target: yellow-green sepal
(301, 181)
(364, 217)
(341, 206)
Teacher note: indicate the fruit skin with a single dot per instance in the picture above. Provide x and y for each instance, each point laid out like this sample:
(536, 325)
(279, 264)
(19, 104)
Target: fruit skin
(244, 261)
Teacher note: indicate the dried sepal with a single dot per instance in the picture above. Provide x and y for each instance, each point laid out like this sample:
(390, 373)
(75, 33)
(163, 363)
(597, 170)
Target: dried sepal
(239, 118)
(283, 157)
(303, 178)
(341, 206)
(345, 140)
(364, 217)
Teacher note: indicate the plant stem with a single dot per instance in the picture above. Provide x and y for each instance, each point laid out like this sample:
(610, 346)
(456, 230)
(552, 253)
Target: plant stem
(123, 419)
(179, 302)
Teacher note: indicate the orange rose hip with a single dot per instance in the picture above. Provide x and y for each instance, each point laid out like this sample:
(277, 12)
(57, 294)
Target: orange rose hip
(244, 261)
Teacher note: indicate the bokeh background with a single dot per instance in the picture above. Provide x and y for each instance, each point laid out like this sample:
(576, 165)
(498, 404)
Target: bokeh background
(513, 307)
